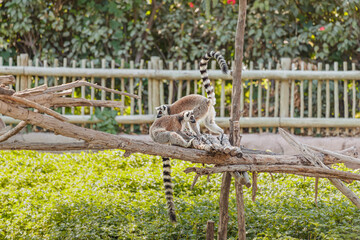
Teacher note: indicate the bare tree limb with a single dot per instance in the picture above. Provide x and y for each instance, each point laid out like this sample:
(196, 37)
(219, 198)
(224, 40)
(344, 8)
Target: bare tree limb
(7, 79)
(32, 104)
(13, 131)
(80, 83)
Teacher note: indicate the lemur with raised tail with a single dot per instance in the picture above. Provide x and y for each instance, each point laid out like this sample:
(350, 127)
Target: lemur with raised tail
(170, 129)
(203, 107)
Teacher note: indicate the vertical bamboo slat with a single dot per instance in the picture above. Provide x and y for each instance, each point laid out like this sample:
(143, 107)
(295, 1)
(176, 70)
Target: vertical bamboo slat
(318, 96)
(259, 100)
(63, 82)
(171, 85)
(29, 85)
(17, 83)
(292, 98)
(72, 80)
(336, 96)
(196, 67)
(327, 109)
(132, 102)
(222, 99)
(188, 82)
(155, 84)
(10, 64)
(83, 65)
(161, 85)
(276, 104)
(346, 104)
(45, 77)
(92, 90)
(213, 67)
(179, 93)
(112, 82)
(150, 105)
(36, 77)
(302, 101)
(310, 102)
(122, 87)
(267, 103)
(353, 68)
(251, 95)
(140, 89)
(103, 82)
(139, 101)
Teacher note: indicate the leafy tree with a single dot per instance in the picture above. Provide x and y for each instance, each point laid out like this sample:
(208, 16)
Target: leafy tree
(179, 29)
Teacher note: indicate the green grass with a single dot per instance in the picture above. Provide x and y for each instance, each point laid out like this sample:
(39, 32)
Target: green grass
(106, 196)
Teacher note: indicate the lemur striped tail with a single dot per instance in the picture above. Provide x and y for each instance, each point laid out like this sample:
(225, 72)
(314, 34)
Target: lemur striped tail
(169, 189)
(204, 75)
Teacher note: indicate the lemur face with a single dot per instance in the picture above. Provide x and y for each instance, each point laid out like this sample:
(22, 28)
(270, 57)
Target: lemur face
(161, 111)
(189, 117)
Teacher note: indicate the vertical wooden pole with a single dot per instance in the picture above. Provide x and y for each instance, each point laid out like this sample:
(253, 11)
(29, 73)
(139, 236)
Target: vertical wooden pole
(235, 137)
(224, 206)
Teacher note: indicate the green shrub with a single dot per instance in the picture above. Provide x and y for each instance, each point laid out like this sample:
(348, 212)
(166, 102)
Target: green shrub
(106, 196)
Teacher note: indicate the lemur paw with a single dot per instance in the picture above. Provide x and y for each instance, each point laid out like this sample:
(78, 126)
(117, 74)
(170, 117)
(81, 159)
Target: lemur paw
(189, 143)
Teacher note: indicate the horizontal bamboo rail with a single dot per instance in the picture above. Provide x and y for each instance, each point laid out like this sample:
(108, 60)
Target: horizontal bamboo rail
(176, 74)
(245, 122)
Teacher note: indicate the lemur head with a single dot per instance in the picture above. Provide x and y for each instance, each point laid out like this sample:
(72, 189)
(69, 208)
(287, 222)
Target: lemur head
(162, 111)
(189, 116)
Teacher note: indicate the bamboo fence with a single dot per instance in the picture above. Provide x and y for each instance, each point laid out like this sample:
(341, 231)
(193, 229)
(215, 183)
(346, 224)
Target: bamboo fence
(304, 98)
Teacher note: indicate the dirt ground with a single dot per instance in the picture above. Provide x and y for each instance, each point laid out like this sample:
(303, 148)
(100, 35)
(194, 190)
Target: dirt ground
(265, 141)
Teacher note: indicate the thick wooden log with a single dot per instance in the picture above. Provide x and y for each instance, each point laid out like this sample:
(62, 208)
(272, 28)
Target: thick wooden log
(299, 170)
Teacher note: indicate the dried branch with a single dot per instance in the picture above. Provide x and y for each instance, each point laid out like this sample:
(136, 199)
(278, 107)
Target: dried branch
(298, 170)
(80, 83)
(316, 161)
(32, 104)
(13, 131)
(8, 92)
(7, 80)
(254, 186)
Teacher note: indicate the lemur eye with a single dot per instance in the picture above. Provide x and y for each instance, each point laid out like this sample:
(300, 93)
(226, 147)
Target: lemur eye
(160, 112)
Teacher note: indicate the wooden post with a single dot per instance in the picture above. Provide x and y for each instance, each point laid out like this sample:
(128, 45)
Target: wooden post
(210, 227)
(284, 89)
(235, 137)
(224, 206)
(23, 79)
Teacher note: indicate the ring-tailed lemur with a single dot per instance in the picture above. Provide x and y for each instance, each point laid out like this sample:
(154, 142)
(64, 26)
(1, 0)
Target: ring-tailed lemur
(169, 189)
(170, 129)
(203, 110)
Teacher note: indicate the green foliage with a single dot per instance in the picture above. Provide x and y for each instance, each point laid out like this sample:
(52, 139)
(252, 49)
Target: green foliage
(106, 196)
(172, 29)
(108, 122)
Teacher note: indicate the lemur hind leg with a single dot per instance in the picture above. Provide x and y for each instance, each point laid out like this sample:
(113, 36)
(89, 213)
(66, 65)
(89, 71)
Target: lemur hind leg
(211, 125)
(176, 139)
